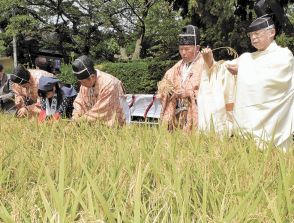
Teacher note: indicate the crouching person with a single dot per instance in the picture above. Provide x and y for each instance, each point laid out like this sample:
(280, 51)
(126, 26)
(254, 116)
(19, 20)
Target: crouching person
(6, 95)
(56, 102)
(25, 88)
(101, 97)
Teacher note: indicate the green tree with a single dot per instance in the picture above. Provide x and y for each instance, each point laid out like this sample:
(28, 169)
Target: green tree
(67, 25)
(140, 28)
(224, 23)
(163, 26)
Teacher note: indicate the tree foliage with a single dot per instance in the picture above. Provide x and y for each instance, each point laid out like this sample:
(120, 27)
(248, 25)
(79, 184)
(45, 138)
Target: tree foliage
(224, 23)
(126, 29)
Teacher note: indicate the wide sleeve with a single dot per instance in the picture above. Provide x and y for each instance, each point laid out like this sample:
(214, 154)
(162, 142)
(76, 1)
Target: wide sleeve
(229, 88)
(216, 97)
(19, 97)
(79, 104)
(165, 86)
(165, 91)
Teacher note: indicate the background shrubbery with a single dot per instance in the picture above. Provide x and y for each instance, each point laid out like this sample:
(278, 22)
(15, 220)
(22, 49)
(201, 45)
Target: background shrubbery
(138, 76)
(66, 74)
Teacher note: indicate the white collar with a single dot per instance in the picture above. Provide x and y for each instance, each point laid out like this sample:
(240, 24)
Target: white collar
(272, 46)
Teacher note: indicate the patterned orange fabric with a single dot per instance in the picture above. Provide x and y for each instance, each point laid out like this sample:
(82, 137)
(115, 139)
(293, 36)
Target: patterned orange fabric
(171, 115)
(101, 102)
(23, 94)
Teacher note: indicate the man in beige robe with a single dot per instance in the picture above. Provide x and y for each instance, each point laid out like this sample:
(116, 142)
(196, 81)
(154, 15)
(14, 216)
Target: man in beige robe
(179, 87)
(101, 97)
(25, 88)
(264, 100)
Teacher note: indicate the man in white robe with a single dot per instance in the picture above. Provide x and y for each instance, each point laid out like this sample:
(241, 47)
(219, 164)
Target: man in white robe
(264, 97)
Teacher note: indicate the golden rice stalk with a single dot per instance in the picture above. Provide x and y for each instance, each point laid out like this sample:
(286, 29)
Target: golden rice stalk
(230, 51)
(165, 86)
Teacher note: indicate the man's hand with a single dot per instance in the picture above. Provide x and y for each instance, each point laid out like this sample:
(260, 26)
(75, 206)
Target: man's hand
(182, 94)
(233, 68)
(207, 56)
(23, 112)
(18, 102)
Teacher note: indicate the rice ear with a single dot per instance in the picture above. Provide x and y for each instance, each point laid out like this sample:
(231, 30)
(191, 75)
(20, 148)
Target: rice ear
(230, 51)
(165, 86)
(215, 68)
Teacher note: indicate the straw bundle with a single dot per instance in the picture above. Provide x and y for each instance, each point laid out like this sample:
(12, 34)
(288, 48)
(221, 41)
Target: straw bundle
(165, 86)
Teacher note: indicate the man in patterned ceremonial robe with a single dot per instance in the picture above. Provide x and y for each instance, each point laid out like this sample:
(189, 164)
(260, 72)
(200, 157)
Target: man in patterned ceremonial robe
(179, 87)
(101, 97)
(25, 88)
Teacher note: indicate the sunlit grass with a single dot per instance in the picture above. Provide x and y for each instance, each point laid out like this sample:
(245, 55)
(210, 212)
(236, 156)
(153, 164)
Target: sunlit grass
(64, 172)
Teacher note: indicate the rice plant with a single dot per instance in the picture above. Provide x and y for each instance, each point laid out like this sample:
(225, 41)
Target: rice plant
(69, 172)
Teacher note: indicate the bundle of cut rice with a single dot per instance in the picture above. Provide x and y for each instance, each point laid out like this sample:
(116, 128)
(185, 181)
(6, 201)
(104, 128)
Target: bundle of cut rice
(165, 86)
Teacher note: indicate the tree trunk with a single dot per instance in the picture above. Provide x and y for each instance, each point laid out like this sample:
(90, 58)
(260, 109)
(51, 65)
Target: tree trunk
(137, 52)
(123, 54)
(138, 47)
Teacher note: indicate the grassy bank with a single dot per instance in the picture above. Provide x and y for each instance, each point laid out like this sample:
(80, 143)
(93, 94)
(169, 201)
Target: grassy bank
(68, 173)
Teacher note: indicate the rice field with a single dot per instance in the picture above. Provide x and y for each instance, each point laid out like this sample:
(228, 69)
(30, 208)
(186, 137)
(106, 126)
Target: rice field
(76, 172)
